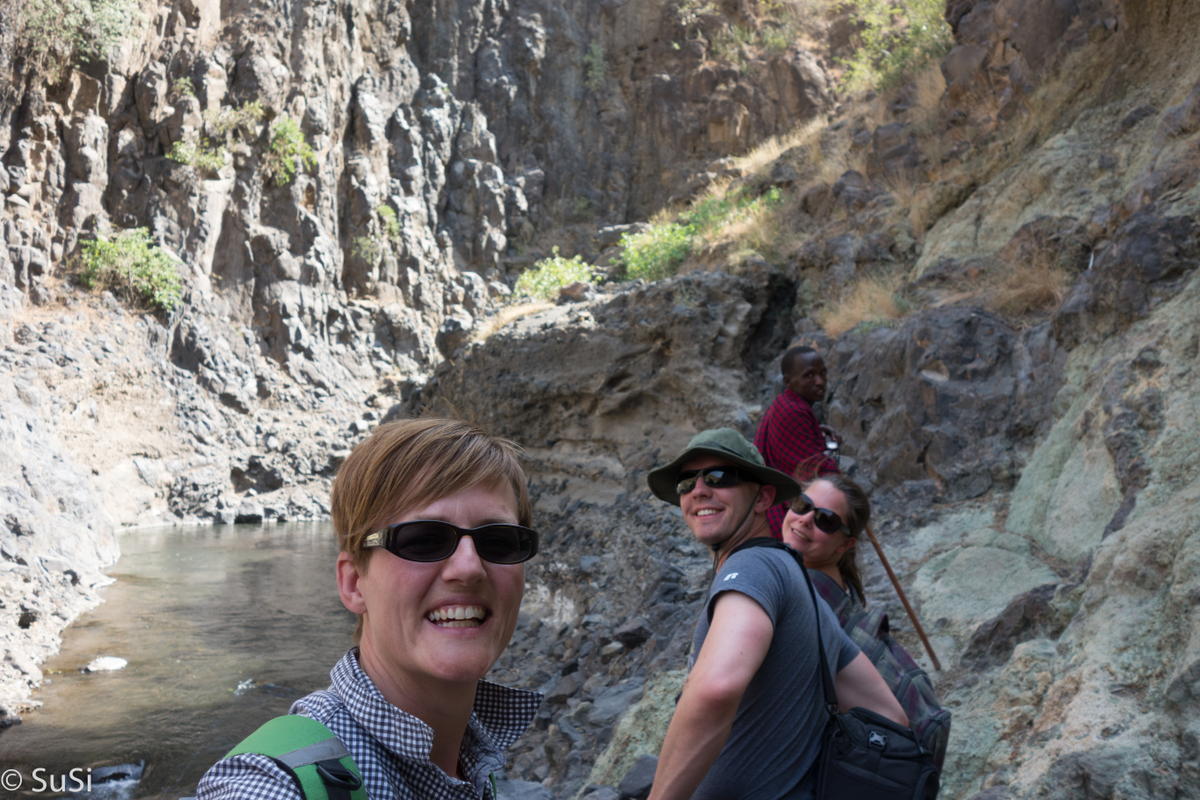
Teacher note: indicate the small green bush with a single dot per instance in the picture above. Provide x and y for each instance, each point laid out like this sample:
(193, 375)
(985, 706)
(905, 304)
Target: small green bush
(225, 125)
(204, 156)
(731, 43)
(223, 122)
(547, 276)
(658, 252)
(54, 34)
(366, 248)
(390, 223)
(688, 12)
(594, 67)
(131, 262)
(655, 254)
(288, 152)
(896, 37)
(183, 87)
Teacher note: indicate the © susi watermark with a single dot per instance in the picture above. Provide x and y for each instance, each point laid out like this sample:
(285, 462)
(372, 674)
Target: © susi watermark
(42, 780)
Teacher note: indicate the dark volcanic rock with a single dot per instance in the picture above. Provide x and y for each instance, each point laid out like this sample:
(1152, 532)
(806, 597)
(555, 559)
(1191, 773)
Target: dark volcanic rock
(1148, 260)
(950, 394)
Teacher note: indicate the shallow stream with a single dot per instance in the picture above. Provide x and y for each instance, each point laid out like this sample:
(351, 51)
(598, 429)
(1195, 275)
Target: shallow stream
(222, 628)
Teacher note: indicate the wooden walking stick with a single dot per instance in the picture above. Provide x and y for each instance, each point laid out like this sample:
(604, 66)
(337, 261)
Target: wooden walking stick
(904, 599)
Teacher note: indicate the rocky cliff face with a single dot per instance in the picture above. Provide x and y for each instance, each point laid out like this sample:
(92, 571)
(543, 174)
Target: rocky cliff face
(1032, 476)
(446, 137)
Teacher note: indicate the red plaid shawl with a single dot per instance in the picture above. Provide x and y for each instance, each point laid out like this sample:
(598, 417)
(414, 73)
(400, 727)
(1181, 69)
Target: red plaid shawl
(789, 436)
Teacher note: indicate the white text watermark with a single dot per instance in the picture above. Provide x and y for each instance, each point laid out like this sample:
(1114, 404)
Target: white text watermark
(41, 780)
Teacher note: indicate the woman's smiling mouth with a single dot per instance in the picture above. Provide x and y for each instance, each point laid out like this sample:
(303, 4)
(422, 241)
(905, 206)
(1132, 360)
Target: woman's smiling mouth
(458, 616)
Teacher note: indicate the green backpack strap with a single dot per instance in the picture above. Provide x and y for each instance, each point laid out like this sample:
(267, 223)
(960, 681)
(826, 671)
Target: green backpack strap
(319, 762)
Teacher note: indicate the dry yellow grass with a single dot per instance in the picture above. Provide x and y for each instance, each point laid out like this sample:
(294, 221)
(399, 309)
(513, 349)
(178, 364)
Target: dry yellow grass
(1030, 285)
(920, 216)
(903, 185)
(1021, 285)
(930, 85)
(770, 232)
(807, 135)
(872, 299)
(506, 315)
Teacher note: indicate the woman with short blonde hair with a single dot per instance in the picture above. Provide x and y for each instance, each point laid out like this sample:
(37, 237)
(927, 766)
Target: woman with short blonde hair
(432, 519)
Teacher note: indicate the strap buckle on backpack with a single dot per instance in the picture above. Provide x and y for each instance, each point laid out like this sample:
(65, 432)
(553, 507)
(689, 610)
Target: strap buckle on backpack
(339, 781)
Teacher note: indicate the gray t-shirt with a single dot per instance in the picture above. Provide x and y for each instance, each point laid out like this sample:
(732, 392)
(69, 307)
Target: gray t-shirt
(776, 734)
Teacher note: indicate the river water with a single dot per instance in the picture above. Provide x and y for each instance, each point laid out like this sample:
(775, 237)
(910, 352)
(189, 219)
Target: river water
(222, 628)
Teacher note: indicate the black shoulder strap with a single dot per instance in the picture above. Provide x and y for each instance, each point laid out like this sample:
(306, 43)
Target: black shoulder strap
(831, 703)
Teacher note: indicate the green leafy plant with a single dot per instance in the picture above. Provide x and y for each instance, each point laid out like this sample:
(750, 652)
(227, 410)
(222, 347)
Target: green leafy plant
(688, 12)
(583, 209)
(657, 253)
(777, 40)
(366, 248)
(183, 87)
(896, 37)
(54, 34)
(287, 152)
(389, 222)
(732, 43)
(204, 156)
(224, 125)
(225, 121)
(595, 68)
(132, 263)
(547, 276)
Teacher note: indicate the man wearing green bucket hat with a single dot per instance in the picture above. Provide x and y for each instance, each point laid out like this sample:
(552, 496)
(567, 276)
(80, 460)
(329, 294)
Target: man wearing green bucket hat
(750, 719)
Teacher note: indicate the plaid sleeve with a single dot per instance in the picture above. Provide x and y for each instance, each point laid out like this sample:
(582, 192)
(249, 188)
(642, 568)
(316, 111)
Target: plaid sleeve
(247, 777)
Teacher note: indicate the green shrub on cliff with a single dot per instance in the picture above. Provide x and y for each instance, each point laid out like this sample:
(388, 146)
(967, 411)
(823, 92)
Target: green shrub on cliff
(225, 126)
(547, 276)
(203, 156)
(655, 254)
(896, 37)
(131, 263)
(287, 152)
(54, 34)
(595, 68)
(226, 122)
(390, 223)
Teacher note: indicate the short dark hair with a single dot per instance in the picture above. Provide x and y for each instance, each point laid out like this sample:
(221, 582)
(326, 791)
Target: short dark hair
(791, 355)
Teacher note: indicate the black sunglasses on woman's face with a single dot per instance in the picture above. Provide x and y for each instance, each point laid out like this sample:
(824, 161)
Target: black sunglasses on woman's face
(825, 520)
(427, 540)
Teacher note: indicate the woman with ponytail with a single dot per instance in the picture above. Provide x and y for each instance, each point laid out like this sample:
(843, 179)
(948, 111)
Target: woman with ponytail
(823, 525)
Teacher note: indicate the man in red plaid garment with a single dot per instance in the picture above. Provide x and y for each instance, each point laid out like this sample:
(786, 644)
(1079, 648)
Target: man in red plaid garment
(789, 434)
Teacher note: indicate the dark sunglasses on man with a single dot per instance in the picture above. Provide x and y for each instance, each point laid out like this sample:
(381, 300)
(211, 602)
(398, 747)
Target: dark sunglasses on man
(825, 520)
(713, 477)
(428, 540)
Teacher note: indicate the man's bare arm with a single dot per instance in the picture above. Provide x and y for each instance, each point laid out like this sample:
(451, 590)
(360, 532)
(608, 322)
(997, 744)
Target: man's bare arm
(734, 649)
(859, 685)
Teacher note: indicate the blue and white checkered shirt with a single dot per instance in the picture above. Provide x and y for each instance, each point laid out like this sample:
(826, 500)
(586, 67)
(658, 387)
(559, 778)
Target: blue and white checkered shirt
(390, 747)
